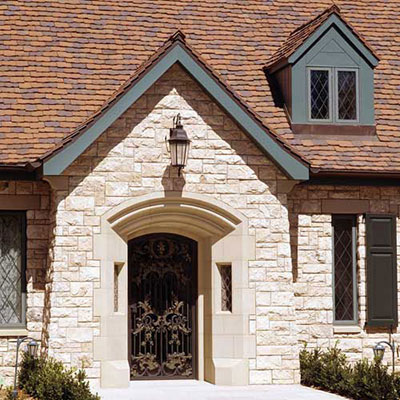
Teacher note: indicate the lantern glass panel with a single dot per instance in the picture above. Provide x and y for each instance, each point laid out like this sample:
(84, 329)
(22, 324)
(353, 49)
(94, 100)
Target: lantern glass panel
(32, 348)
(379, 352)
(174, 157)
(181, 154)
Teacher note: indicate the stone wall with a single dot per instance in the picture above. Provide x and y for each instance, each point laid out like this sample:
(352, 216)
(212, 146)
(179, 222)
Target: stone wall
(311, 234)
(34, 195)
(292, 269)
(131, 159)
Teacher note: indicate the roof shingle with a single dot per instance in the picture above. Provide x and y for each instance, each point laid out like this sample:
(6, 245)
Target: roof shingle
(62, 60)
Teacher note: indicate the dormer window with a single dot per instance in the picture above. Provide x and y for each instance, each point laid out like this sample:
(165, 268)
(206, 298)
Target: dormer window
(324, 73)
(320, 97)
(346, 94)
(333, 95)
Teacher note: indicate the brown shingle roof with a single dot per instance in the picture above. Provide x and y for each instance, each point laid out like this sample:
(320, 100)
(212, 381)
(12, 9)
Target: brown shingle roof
(177, 37)
(60, 61)
(303, 32)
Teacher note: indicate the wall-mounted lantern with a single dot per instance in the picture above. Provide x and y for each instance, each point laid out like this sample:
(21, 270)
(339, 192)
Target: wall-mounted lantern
(179, 144)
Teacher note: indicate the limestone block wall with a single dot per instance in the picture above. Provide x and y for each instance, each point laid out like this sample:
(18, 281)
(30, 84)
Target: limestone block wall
(291, 272)
(34, 197)
(311, 233)
(131, 159)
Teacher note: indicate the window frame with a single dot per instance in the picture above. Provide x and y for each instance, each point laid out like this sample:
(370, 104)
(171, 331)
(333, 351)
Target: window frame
(355, 319)
(336, 73)
(224, 268)
(329, 69)
(333, 95)
(23, 225)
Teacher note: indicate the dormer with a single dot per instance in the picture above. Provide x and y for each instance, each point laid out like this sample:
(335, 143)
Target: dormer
(324, 73)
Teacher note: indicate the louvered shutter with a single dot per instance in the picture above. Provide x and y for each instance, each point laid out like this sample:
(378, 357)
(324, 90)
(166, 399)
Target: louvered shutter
(381, 270)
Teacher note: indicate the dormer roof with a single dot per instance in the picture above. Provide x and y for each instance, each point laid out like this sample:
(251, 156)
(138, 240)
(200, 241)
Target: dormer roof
(305, 36)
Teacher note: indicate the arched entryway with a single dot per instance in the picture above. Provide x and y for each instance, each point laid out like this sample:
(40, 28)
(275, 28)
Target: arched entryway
(162, 293)
(224, 343)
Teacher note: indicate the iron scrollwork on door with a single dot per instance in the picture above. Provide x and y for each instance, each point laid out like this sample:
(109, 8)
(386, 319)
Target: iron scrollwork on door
(162, 278)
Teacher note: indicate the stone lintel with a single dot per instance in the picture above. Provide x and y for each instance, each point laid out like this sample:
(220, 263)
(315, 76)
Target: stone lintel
(19, 202)
(345, 206)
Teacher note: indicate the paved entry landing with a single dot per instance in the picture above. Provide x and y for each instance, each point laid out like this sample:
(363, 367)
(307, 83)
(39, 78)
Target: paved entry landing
(195, 390)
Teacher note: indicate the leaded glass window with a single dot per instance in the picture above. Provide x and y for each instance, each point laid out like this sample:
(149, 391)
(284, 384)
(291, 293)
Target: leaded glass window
(320, 94)
(347, 95)
(12, 269)
(226, 287)
(336, 103)
(344, 268)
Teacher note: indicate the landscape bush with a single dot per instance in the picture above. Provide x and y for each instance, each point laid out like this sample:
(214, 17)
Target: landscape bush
(46, 378)
(329, 370)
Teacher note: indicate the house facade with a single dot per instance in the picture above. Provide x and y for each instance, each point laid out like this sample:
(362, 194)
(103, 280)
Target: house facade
(128, 256)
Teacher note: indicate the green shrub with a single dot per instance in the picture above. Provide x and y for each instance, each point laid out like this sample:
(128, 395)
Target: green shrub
(46, 378)
(329, 370)
(9, 395)
(372, 381)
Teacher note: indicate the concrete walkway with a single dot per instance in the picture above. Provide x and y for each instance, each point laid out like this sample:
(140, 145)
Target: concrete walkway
(195, 390)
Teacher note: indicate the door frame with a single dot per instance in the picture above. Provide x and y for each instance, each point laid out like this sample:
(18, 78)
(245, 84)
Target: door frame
(194, 307)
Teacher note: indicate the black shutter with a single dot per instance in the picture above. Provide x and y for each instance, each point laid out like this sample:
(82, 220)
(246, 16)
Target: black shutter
(381, 270)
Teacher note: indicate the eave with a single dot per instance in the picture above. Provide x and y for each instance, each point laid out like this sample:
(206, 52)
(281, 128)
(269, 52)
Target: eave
(336, 22)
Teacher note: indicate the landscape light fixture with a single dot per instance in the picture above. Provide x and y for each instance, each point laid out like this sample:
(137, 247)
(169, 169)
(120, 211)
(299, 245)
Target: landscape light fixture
(379, 351)
(32, 348)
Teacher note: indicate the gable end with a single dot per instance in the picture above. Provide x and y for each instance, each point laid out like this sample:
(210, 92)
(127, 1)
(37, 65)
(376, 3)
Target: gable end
(289, 162)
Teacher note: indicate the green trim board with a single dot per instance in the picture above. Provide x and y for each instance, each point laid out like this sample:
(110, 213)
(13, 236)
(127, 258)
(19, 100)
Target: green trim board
(293, 167)
(334, 52)
(334, 20)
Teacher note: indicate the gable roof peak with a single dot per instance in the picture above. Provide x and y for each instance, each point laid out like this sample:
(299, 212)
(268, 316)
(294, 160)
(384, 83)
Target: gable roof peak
(301, 34)
(178, 35)
(175, 50)
(335, 8)
(320, 18)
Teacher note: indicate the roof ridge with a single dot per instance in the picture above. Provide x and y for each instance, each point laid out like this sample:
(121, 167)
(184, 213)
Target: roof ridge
(333, 9)
(178, 35)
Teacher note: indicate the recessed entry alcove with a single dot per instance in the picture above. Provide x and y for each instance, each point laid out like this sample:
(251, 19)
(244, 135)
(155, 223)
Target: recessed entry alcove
(219, 346)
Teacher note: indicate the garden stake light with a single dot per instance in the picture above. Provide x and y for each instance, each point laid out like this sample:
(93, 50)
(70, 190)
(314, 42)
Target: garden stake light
(379, 351)
(32, 351)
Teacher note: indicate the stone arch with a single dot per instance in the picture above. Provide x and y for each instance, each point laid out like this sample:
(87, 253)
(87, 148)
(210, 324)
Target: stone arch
(222, 236)
(198, 215)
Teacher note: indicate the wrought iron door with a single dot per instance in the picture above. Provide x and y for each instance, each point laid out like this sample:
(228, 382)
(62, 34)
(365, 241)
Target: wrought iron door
(162, 295)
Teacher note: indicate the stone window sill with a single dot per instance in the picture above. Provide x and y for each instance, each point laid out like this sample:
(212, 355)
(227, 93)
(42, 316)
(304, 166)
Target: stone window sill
(346, 329)
(13, 332)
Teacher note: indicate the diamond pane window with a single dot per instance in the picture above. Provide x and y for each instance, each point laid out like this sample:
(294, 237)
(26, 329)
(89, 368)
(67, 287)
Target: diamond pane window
(347, 95)
(12, 269)
(344, 268)
(226, 287)
(319, 94)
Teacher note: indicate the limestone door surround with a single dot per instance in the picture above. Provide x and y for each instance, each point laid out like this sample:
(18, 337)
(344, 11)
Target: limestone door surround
(224, 342)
